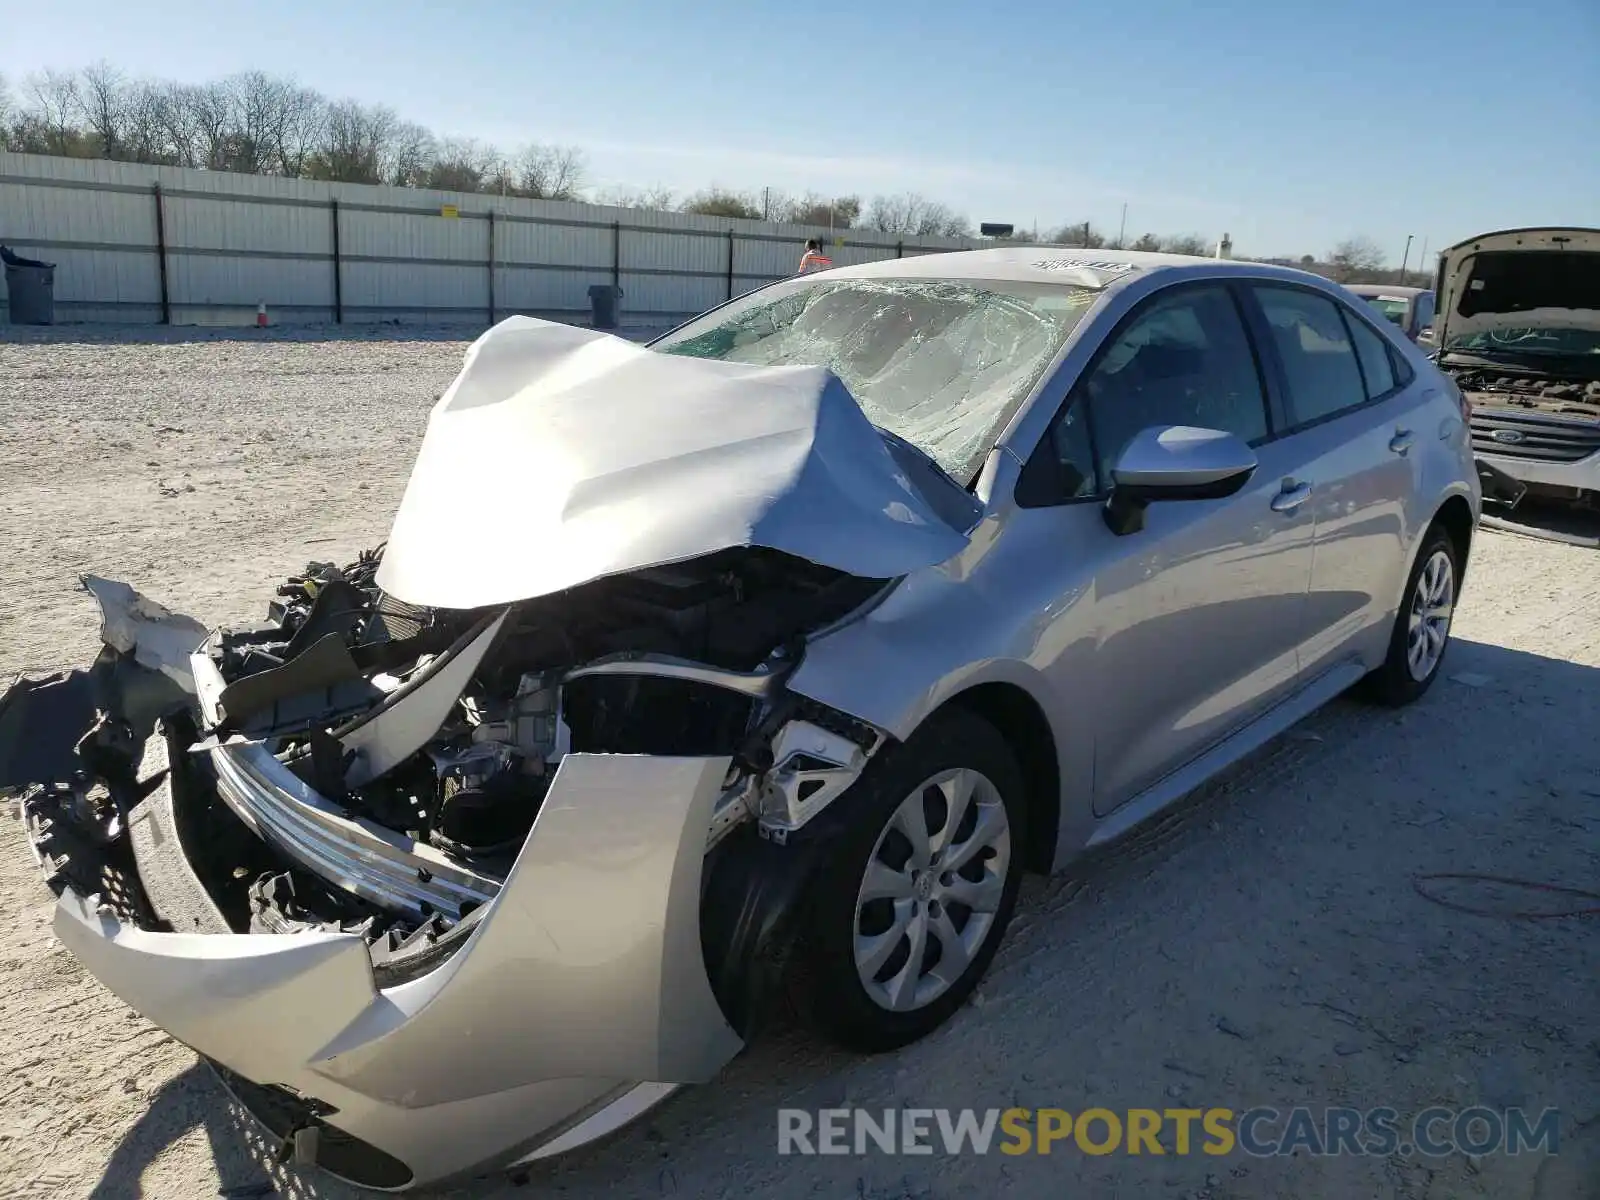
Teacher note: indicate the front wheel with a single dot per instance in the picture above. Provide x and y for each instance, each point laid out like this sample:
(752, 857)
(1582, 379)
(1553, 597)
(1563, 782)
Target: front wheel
(1422, 626)
(918, 889)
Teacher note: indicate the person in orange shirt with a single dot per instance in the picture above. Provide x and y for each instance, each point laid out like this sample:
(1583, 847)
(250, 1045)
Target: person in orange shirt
(814, 259)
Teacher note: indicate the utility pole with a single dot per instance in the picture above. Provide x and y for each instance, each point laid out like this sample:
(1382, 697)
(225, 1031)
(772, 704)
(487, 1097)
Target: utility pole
(1422, 260)
(1405, 258)
(1086, 235)
(1123, 228)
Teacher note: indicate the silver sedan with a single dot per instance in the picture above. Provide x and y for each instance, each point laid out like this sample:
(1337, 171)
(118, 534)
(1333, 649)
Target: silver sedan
(768, 656)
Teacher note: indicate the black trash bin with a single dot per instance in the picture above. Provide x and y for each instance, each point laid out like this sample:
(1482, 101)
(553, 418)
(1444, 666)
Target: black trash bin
(603, 298)
(30, 289)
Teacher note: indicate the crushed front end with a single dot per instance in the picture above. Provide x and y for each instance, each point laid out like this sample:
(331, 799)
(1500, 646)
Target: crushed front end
(441, 891)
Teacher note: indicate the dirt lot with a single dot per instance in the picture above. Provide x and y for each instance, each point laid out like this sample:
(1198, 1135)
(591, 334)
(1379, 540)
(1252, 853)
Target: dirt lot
(1263, 946)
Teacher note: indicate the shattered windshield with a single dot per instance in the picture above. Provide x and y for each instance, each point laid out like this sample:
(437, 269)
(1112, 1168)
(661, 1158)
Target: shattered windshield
(942, 364)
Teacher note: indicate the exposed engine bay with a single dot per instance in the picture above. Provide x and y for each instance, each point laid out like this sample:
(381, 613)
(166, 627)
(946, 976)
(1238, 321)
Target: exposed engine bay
(1486, 386)
(678, 660)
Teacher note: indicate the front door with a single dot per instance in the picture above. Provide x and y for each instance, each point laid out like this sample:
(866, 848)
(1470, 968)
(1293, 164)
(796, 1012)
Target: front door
(1198, 617)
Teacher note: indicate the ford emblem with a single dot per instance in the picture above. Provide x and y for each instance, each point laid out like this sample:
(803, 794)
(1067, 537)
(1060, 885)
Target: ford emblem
(1509, 436)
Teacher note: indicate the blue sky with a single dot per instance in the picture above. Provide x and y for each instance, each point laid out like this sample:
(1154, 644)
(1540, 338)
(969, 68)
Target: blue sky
(1290, 124)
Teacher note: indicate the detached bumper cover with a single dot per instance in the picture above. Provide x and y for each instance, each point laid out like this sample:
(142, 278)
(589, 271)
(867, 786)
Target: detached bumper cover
(583, 978)
(1499, 486)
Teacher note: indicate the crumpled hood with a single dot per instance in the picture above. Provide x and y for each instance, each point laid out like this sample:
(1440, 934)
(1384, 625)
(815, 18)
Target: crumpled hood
(1519, 279)
(561, 455)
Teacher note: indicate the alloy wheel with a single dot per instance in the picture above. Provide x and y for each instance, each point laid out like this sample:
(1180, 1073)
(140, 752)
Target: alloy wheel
(1432, 605)
(932, 888)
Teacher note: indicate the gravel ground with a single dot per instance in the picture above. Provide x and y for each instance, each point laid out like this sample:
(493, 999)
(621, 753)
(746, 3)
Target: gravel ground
(1262, 946)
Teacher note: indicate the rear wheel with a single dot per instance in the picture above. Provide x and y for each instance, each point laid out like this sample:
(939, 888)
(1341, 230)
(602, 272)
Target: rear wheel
(918, 889)
(1422, 626)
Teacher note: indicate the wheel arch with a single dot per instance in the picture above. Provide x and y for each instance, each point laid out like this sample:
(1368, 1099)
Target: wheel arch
(1018, 717)
(1455, 517)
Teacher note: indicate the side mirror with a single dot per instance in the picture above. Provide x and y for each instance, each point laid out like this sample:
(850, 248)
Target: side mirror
(1174, 462)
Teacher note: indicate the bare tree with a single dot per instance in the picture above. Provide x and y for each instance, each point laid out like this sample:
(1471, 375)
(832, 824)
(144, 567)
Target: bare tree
(100, 95)
(299, 130)
(1147, 242)
(837, 212)
(1185, 243)
(911, 213)
(548, 172)
(55, 103)
(657, 199)
(1078, 233)
(175, 123)
(1355, 257)
(411, 148)
(353, 145)
(262, 110)
(203, 114)
(720, 202)
(144, 125)
(463, 165)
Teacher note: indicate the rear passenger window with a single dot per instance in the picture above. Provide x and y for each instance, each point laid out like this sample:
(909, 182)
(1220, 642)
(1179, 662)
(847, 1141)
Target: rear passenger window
(1323, 374)
(1373, 351)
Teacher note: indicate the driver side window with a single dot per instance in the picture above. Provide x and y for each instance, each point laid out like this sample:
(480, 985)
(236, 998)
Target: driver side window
(1184, 360)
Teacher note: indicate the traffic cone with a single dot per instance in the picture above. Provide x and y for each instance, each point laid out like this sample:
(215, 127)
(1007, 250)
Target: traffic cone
(261, 315)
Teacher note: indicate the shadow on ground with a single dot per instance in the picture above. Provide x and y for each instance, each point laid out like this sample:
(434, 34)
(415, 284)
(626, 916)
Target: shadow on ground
(1114, 941)
(1570, 524)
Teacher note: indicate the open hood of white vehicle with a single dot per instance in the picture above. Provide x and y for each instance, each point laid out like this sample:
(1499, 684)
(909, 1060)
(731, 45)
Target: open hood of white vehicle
(561, 455)
(1519, 279)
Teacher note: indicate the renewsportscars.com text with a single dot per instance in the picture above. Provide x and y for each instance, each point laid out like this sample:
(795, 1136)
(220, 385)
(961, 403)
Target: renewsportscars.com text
(1260, 1131)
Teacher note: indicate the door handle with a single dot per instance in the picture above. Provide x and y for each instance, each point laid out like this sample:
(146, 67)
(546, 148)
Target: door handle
(1291, 498)
(1401, 441)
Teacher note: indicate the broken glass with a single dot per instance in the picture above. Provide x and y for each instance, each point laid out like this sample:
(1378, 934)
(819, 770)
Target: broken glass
(943, 364)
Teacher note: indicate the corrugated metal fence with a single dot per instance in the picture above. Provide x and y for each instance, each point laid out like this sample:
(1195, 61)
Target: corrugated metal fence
(138, 243)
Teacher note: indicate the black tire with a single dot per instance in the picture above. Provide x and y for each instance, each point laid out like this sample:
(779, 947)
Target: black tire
(828, 989)
(1395, 683)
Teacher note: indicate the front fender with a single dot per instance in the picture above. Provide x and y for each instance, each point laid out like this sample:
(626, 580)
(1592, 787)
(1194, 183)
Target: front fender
(938, 634)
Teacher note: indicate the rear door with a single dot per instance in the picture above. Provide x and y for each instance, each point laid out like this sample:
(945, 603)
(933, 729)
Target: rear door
(1357, 410)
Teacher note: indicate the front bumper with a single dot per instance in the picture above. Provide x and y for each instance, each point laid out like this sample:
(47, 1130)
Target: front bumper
(1538, 448)
(579, 998)
(1583, 475)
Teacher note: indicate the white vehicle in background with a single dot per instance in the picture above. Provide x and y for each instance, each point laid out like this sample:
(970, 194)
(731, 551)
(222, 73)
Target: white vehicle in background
(1408, 308)
(1519, 331)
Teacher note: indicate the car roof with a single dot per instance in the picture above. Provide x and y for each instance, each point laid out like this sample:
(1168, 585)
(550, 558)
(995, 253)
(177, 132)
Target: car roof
(1063, 265)
(1384, 289)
